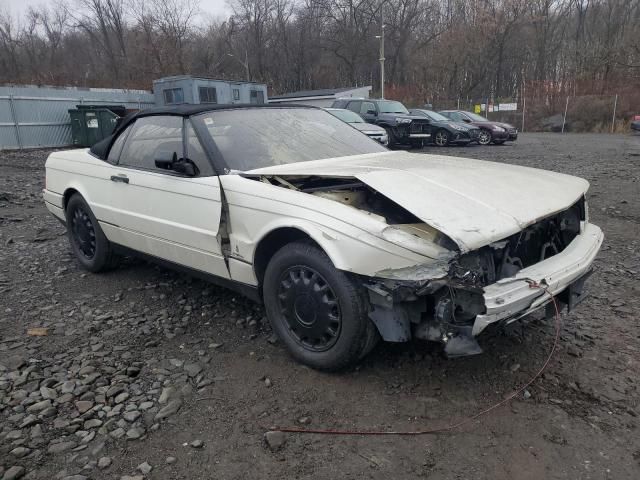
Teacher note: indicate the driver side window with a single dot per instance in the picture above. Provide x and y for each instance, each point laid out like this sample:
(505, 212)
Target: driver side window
(354, 106)
(366, 106)
(456, 116)
(148, 137)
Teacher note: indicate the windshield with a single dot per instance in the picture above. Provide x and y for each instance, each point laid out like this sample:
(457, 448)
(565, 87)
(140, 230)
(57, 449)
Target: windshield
(435, 116)
(476, 118)
(251, 138)
(346, 115)
(389, 106)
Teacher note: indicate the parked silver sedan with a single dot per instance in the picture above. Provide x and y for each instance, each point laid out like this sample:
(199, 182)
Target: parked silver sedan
(356, 121)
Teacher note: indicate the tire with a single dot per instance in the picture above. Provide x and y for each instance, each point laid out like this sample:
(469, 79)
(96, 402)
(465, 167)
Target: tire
(392, 137)
(372, 339)
(485, 137)
(88, 242)
(441, 139)
(318, 312)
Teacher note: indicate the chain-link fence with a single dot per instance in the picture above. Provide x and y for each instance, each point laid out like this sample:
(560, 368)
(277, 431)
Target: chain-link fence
(560, 113)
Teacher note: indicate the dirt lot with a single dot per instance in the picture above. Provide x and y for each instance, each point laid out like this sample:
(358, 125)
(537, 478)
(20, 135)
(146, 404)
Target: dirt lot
(139, 363)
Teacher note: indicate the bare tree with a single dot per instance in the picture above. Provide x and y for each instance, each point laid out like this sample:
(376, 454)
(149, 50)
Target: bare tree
(435, 49)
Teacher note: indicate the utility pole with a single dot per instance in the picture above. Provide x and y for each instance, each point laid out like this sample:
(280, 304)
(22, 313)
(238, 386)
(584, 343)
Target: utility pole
(381, 38)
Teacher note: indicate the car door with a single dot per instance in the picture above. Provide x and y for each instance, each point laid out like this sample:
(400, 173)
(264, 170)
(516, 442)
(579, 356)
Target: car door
(163, 213)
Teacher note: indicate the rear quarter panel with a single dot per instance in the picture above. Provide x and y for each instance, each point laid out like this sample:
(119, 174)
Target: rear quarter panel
(80, 171)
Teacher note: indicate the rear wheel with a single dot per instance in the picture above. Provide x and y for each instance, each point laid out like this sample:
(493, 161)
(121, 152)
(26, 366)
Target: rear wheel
(442, 138)
(88, 242)
(318, 312)
(484, 137)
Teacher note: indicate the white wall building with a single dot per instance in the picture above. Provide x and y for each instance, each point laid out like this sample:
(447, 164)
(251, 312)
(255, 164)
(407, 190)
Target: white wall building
(183, 89)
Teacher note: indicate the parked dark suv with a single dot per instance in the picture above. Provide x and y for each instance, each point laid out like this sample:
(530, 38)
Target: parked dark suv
(402, 127)
(491, 132)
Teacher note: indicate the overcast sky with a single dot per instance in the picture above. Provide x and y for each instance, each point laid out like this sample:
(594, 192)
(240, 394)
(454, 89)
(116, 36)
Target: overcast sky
(19, 7)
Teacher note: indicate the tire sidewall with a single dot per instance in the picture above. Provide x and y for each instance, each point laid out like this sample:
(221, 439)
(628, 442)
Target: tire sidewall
(352, 337)
(391, 136)
(101, 257)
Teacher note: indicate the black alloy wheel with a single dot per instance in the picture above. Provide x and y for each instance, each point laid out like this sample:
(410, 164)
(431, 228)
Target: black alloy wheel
(484, 137)
(310, 308)
(83, 233)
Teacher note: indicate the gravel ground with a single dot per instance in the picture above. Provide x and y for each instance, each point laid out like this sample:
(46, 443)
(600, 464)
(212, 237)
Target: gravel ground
(145, 373)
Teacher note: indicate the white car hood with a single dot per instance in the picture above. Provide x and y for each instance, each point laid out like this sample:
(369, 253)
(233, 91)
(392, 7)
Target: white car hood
(474, 202)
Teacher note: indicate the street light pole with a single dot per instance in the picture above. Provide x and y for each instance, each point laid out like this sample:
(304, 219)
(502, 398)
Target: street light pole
(381, 37)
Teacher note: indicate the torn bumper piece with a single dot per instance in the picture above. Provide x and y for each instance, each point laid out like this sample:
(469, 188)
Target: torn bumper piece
(512, 298)
(443, 311)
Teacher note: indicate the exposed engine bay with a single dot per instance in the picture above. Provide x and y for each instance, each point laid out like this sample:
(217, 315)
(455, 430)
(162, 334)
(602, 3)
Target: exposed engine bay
(442, 308)
(356, 194)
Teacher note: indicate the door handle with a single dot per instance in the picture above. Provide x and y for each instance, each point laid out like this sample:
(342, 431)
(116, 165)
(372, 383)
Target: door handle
(119, 178)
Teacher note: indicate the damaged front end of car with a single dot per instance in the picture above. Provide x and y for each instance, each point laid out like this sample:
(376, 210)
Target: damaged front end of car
(455, 294)
(452, 308)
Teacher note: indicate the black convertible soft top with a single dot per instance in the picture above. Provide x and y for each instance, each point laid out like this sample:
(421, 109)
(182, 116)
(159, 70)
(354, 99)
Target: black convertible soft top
(101, 149)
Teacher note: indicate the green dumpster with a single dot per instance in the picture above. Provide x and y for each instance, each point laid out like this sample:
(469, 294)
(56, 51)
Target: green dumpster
(92, 123)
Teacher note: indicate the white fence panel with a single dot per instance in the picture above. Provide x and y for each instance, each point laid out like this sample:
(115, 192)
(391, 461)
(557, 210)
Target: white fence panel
(33, 117)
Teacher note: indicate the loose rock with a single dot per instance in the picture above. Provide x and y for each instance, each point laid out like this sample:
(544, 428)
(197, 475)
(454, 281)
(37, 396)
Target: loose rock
(14, 473)
(275, 440)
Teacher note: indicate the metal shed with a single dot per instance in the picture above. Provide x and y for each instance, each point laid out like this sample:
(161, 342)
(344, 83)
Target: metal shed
(195, 90)
(321, 98)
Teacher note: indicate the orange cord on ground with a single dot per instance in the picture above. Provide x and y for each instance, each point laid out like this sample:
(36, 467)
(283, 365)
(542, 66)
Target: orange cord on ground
(452, 426)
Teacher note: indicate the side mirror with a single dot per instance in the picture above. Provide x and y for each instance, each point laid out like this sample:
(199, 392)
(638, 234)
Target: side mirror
(372, 112)
(466, 120)
(185, 166)
(165, 159)
(170, 161)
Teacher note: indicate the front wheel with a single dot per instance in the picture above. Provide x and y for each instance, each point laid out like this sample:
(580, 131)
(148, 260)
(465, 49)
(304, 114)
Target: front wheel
(391, 137)
(484, 138)
(318, 312)
(442, 138)
(88, 241)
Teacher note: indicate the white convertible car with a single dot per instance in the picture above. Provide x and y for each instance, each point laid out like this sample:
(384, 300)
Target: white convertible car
(343, 240)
